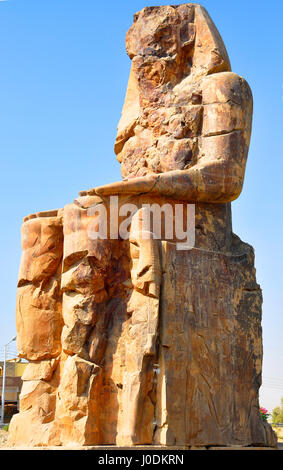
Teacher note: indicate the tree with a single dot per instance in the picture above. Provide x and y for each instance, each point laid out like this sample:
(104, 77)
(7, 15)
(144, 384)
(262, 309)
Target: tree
(277, 414)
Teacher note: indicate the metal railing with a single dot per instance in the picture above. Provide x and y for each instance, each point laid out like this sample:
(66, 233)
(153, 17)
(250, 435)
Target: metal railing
(3, 382)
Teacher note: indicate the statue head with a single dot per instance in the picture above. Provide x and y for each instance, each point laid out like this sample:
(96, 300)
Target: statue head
(161, 31)
(183, 33)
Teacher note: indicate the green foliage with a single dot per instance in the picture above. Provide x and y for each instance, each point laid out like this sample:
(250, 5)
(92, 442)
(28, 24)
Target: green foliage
(6, 427)
(277, 414)
(264, 413)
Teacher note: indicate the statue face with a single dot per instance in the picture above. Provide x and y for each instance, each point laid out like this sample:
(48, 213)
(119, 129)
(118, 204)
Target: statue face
(154, 35)
(161, 31)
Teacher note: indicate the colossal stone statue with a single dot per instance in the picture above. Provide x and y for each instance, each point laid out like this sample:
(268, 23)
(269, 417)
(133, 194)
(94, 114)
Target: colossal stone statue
(130, 339)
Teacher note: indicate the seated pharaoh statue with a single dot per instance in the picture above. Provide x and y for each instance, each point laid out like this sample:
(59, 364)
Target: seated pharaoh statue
(140, 336)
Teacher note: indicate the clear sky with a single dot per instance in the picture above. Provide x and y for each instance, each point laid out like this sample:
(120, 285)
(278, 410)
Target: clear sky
(64, 73)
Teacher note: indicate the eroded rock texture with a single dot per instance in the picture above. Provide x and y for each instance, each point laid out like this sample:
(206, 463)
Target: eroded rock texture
(130, 339)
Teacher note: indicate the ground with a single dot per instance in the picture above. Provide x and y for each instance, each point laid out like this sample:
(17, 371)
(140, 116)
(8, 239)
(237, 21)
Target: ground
(3, 438)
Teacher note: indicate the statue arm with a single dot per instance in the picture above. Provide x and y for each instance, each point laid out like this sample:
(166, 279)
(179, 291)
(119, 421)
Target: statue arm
(213, 182)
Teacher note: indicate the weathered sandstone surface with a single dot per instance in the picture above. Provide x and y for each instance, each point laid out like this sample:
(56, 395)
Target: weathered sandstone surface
(132, 340)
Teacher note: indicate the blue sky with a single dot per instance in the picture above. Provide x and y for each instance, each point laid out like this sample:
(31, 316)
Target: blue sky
(63, 78)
